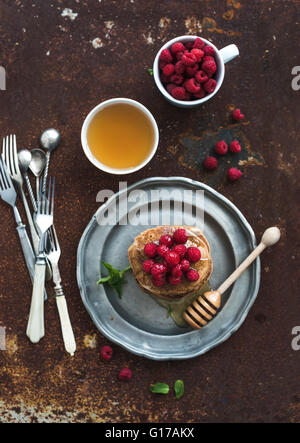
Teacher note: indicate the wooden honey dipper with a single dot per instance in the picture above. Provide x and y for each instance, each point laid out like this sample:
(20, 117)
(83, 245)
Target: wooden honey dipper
(204, 309)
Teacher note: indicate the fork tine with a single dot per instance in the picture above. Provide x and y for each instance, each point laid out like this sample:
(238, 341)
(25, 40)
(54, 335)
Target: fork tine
(6, 153)
(14, 158)
(6, 174)
(1, 174)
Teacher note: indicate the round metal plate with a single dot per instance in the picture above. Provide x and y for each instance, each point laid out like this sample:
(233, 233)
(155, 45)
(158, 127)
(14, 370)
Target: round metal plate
(136, 322)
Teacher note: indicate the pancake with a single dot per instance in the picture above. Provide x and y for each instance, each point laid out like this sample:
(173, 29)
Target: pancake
(170, 292)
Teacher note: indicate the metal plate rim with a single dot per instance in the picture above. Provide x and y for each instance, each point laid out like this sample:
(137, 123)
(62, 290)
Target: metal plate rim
(226, 335)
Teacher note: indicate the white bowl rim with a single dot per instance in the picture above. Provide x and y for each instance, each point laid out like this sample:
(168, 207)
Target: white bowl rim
(162, 88)
(97, 109)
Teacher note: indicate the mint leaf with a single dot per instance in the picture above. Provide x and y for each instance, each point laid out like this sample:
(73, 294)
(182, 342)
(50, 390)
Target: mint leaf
(115, 278)
(159, 388)
(179, 388)
(170, 310)
(150, 71)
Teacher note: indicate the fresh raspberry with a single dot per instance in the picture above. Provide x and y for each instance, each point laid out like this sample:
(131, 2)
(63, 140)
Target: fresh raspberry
(150, 250)
(192, 86)
(147, 265)
(234, 174)
(189, 59)
(208, 58)
(198, 43)
(164, 78)
(192, 275)
(177, 271)
(162, 250)
(200, 94)
(106, 353)
(177, 79)
(158, 270)
(180, 250)
(210, 163)
(198, 53)
(159, 282)
(193, 254)
(179, 67)
(180, 236)
(178, 93)
(209, 50)
(177, 47)
(170, 87)
(185, 265)
(237, 115)
(201, 77)
(125, 374)
(221, 148)
(166, 56)
(172, 259)
(166, 240)
(168, 69)
(235, 147)
(162, 64)
(210, 85)
(174, 280)
(179, 56)
(209, 66)
(191, 70)
(188, 96)
(189, 45)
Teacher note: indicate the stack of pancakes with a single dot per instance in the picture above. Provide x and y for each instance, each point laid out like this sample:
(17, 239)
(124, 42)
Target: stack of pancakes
(170, 292)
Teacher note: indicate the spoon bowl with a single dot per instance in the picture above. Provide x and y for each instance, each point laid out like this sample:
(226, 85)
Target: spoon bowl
(50, 139)
(25, 158)
(38, 162)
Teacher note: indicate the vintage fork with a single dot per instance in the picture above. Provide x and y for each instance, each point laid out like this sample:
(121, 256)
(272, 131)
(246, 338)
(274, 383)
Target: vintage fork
(9, 195)
(44, 220)
(66, 327)
(11, 159)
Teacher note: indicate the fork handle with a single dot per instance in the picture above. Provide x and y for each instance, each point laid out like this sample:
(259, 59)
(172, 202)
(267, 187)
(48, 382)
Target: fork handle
(35, 327)
(66, 327)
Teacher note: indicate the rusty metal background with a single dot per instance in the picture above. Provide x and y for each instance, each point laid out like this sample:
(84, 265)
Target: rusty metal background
(59, 65)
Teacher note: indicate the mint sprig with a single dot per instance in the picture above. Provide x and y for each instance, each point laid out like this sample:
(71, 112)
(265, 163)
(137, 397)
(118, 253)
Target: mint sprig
(115, 278)
(150, 71)
(179, 388)
(160, 388)
(170, 310)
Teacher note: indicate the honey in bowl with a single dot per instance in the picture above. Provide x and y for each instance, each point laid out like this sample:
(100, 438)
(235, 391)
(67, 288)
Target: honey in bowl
(121, 136)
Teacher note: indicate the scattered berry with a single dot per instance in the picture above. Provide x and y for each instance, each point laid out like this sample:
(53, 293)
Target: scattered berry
(162, 250)
(168, 70)
(150, 250)
(179, 93)
(198, 43)
(166, 56)
(237, 115)
(234, 174)
(192, 275)
(166, 240)
(177, 47)
(189, 59)
(180, 236)
(177, 271)
(106, 353)
(147, 265)
(174, 280)
(125, 374)
(221, 148)
(180, 250)
(201, 77)
(193, 254)
(235, 147)
(158, 270)
(210, 85)
(210, 163)
(172, 259)
(185, 265)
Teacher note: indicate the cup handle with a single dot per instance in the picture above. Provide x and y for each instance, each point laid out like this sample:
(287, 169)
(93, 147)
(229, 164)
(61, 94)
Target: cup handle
(229, 53)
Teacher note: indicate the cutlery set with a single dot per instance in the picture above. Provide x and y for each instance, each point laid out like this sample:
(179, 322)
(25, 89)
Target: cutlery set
(42, 252)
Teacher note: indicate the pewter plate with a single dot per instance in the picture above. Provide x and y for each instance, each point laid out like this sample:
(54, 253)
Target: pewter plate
(136, 322)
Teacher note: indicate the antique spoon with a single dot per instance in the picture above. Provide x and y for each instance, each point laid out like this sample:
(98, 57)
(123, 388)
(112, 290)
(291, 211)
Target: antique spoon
(49, 140)
(37, 166)
(25, 158)
(204, 309)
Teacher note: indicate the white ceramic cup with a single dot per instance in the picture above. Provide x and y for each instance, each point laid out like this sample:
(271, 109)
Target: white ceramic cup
(222, 56)
(99, 108)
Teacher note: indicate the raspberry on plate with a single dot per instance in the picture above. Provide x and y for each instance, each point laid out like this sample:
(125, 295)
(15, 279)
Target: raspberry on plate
(150, 250)
(147, 265)
(174, 280)
(192, 275)
(180, 236)
(185, 265)
(193, 254)
(159, 282)
(158, 270)
(162, 250)
(221, 148)
(166, 240)
(172, 259)
(176, 271)
(180, 250)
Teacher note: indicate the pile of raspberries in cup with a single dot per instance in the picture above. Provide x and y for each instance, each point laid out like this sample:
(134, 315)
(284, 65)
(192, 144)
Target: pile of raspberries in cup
(187, 70)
